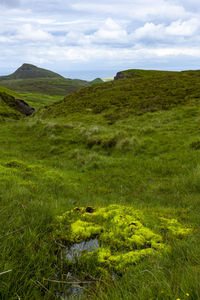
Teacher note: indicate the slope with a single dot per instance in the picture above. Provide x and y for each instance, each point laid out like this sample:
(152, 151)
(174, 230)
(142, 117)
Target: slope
(49, 86)
(30, 71)
(143, 91)
(149, 162)
(146, 160)
(40, 87)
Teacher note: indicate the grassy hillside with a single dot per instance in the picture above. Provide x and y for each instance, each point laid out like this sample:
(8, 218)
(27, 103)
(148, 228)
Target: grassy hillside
(147, 92)
(29, 78)
(39, 100)
(30, 71)
(144, 159)
(40, 87)
(44, 91)
(55, 86)
(33, 99)
(96, 81)
(9, 92)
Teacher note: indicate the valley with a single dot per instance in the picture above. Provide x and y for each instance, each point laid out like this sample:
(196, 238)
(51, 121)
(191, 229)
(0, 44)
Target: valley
(110, 156)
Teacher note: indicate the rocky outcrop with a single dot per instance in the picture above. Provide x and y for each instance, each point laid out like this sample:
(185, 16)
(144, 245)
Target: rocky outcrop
(132, 73)
(17, 104)
(23, 107)
(122, 75)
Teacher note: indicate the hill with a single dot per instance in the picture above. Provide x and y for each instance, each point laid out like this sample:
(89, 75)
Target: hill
(118, 176)
(27, 71)
(11, 106)
(33, 83)
(140, 92)
(96, 81)
(48, 86)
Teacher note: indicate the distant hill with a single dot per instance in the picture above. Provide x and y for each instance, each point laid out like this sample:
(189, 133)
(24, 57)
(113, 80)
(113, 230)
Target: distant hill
(96, 81)
(136, 91)
(28, 71)
(31, 79)
(11, 106)
(136, 73)
(49, 86)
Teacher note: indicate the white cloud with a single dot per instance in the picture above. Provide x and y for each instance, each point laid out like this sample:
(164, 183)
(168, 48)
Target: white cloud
(149, 31)
(183, 28)
(92, 33)
(29, 32)
(110, 32)
(137, 10)
(178, 29)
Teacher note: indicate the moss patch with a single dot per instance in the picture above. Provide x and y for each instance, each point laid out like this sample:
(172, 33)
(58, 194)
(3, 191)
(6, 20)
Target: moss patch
(123, 233)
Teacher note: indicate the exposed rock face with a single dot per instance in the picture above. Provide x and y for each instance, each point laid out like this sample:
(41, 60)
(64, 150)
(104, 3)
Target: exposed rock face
(122, 75)
(23, 107)
(17, 104)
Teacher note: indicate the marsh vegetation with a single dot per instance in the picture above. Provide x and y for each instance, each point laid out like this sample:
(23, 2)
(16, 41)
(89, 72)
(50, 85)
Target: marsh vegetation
(115, 144)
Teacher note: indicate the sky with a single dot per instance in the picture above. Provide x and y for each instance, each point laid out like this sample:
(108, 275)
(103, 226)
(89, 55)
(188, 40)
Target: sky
(89, 38)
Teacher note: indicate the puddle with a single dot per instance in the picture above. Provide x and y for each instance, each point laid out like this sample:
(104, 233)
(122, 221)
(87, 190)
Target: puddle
(76, 291)
(72, 291)
(77, 249)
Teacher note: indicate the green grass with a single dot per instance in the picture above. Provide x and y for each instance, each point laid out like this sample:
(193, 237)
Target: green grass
(40, 87)
(153, 91)
(39, 100)
(34, 100)
(42, 92)
(96, 81)
(148, 160)
(9, 92)
(47, 86)
(7, 105)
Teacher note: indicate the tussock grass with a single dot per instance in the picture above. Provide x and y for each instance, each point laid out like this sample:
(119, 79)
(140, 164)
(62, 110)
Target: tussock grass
(47, 167)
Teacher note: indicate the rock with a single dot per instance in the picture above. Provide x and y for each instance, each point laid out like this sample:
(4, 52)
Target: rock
(17, 104)
(122, 75)
(23, 107)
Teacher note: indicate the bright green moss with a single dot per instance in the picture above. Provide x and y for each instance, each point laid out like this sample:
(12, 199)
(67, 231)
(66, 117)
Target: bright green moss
(81, 230)
(124, 239)
(175, 227)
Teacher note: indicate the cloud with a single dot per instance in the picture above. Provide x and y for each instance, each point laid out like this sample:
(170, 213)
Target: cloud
(110, 32)
(137, 10)
(29, 32)
(105, 32)
(89, 34)
(10, 3)
(174, 33)
(183, 28)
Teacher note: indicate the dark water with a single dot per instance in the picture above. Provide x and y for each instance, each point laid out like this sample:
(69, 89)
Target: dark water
(75, 291)
(77, 249)
(71, 291)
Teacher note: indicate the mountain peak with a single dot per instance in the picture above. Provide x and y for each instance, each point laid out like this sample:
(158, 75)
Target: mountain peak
(29, 71)
(26, 67)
